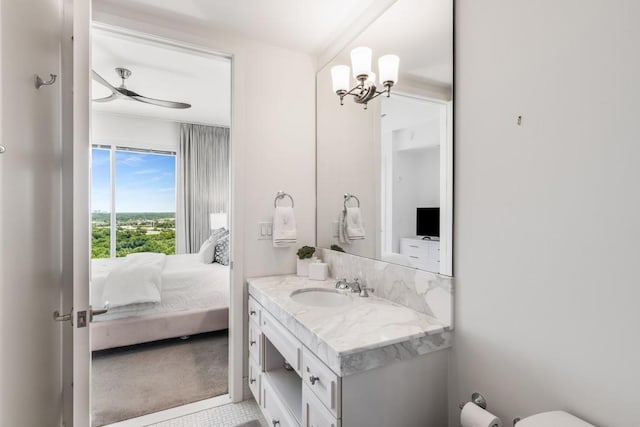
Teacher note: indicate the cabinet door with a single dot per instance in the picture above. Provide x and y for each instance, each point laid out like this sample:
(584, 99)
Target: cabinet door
(275, 411)
(324, 383)
(255, 378)
(255, 344)
(314, 414)
(254, 311)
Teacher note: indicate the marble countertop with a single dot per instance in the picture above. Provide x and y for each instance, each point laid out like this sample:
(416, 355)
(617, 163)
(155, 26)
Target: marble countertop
(364, 334)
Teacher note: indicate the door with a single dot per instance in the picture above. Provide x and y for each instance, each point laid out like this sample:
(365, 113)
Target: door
(77, 350)
(31, 235)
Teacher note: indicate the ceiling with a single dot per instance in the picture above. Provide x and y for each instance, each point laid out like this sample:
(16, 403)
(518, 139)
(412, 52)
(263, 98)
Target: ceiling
(163, 72)
(305, 25)
(420, 32)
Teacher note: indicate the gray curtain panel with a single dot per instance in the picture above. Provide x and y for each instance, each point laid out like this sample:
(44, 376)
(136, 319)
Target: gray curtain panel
(203, 182)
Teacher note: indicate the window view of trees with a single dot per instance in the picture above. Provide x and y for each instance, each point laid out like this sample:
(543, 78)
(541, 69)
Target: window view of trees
(144, 202)
(135, 232)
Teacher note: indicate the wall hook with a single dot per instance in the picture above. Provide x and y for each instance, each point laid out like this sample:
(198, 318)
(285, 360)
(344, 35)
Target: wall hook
(39, 82)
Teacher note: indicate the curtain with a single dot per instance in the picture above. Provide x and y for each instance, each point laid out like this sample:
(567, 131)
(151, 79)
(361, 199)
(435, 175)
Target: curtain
(203, 182)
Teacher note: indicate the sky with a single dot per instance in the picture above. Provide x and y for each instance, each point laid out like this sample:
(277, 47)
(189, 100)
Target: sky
(144, 182)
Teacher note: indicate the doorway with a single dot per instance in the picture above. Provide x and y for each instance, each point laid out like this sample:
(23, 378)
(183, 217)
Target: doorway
(160, 209)
(416, 182)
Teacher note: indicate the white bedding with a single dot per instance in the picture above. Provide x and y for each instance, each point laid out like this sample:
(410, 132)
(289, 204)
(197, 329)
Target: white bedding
(187, 284)
(137, 279)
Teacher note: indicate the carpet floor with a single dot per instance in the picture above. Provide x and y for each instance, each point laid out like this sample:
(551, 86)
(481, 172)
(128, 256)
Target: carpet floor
(132, 381)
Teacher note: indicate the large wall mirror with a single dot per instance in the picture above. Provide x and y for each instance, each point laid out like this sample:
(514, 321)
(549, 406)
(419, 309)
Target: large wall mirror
(385, 172)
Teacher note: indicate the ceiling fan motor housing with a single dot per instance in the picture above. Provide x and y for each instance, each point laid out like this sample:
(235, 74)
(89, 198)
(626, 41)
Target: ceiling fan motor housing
(123, 73)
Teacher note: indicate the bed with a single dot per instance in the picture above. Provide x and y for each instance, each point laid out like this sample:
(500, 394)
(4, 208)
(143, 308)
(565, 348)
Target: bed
(194, 298)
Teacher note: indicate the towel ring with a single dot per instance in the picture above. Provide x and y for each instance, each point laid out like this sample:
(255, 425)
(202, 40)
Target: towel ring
(348, 197)
(281, 195)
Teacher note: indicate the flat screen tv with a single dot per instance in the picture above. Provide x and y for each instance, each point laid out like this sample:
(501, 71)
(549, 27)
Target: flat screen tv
(428, 222)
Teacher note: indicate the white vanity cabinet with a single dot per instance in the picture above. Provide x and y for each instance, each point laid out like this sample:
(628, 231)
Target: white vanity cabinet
(422, 254)
(295, 387)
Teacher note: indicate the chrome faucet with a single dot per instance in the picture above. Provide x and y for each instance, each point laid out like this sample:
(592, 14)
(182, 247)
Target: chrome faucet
(354, 286)
(342, 284)
(364, 291)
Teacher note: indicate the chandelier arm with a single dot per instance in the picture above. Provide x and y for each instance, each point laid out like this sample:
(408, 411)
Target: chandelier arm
(359, 86)
(378, 93)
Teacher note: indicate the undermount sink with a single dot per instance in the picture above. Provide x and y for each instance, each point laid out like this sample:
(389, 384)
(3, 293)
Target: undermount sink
(318, 297)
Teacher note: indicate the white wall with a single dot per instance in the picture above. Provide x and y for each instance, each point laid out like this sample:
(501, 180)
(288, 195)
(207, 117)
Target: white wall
(547, 213)
(134, 131)
(30, 215)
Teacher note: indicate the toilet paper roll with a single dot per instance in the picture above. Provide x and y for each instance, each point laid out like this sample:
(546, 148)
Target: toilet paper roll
(474, 416)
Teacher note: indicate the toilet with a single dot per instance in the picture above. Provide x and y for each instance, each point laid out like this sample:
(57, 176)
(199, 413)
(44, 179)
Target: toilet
(552, 419)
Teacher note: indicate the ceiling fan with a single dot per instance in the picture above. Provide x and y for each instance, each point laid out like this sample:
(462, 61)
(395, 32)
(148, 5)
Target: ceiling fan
(121, 92)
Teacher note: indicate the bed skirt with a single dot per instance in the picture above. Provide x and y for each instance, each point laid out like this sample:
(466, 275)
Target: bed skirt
(136, 330)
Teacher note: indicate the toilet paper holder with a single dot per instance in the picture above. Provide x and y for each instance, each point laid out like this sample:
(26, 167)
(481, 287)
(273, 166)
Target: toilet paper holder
(477, 399)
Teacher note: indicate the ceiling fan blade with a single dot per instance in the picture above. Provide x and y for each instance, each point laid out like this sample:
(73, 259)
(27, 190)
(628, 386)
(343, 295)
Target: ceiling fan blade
(111, 97)
(102, 81)
(158, 102)
(122, 91)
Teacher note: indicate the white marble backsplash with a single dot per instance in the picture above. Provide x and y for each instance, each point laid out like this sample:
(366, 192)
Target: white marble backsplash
(422, 291)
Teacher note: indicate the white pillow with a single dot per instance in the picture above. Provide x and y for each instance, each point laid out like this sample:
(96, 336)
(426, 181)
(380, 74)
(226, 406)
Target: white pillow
(206, 252)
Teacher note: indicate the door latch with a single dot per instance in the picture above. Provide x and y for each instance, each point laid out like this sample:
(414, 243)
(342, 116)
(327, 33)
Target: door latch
(84, 316)
(63, 317)
(82, 319)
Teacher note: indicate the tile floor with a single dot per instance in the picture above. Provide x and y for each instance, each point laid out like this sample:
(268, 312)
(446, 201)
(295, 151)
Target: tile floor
(228, 415)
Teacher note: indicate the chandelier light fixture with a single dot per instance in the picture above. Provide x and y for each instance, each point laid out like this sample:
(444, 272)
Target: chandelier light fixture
(365, 90)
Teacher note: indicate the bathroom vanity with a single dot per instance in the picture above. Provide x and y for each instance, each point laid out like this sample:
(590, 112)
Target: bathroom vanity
(326, 358)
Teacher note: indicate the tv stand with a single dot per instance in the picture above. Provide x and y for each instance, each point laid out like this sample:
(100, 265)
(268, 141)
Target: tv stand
(422, 252)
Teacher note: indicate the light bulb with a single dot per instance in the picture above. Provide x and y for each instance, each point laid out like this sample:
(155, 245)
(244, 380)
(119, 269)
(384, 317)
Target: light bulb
(340, 78)
(361, 61)
(388, 68)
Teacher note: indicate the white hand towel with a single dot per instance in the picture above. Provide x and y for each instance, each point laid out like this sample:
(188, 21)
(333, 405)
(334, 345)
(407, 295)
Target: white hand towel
(354, 229)
(284, 226)
(342, 228)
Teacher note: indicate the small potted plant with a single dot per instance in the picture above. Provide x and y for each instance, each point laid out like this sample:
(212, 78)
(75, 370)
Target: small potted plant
(305, 257)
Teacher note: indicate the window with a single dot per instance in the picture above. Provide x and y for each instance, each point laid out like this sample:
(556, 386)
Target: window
(133, 201)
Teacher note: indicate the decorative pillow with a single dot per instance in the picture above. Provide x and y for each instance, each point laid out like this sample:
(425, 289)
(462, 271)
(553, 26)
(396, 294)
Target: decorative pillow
(221, 255)
(207, 251)
(217, 235)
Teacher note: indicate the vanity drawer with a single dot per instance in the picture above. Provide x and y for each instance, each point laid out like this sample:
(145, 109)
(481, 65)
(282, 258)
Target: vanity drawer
(255, 344)
(254, 310)
(288, 346)
(255, 378)
(275, 410)
(314, 414)
(414, 248)
(322, 381)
